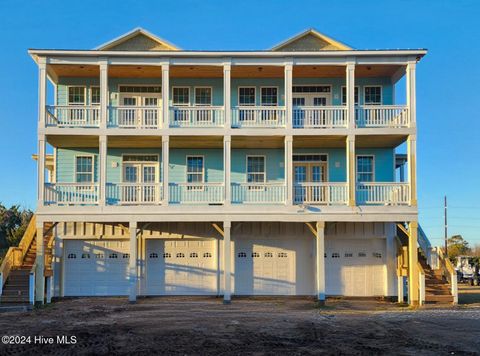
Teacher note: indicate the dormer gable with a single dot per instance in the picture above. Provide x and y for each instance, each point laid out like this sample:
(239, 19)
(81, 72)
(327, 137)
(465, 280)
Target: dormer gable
(311, 40)
(138, 40)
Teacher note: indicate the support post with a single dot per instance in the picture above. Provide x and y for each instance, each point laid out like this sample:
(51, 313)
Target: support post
(102, 150)
(412, 168)
(413, 275)
(227, 262)
(289, 95)
(350, 88)
(165, 169)
(400, 289)
(132, 266)
(289, 170)
(351, 176)
(41, 170)
(42, 91)
(104, 94)
(227, 152)
(227, 105)
(320, 261)
(165, 94)
(40, 263)
(411, 93)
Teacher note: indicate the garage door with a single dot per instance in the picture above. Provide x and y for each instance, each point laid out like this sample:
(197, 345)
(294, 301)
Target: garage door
(181, 267)
(355, 267)
(264, 268)
(96, 268)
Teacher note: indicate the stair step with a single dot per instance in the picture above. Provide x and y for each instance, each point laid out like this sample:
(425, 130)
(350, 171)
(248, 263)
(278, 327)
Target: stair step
(14, 292)
(439, 298)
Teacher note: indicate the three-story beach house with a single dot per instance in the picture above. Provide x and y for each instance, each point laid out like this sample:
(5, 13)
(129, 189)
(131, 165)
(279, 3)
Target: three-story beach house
(259, 172)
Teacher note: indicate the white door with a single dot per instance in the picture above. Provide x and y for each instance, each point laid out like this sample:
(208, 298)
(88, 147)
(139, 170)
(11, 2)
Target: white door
(177, 267)
(96, 268)
(355, 267)
(140, 182)
(265, 268)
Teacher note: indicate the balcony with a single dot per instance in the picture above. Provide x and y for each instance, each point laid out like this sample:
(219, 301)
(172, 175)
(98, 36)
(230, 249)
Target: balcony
(134, 193)
(307, 117)
(137, 117)
(258, 193)
(196, 193)
(197, 116)
(382, 116)
(325, 193)
(383, 193)
(72, 116)
(258, 117)
(71, 194)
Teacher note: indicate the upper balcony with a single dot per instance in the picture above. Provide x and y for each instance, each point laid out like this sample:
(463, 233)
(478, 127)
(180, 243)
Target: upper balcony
(235, 97)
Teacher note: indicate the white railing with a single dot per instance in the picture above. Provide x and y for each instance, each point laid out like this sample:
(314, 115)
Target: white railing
(70, 193)
(31, 284)
(196, 193)
(382, 116)
(197, 116)
(258, 116)
(383, 193)
(319, 117)
(320, 193)
(135, 117)
(72, 116)
(134, 193)
(253, 193)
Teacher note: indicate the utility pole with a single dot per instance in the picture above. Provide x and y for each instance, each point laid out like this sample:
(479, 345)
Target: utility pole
(446, 227)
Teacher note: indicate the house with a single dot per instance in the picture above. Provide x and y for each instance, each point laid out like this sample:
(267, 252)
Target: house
(265, 172)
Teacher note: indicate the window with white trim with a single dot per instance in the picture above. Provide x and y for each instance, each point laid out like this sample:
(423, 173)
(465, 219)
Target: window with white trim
(76, 95)
(373, 95)
(255, 169)
(344, 95)
(246, 96)
(203, 96)
(95, 95)
(195, 169)
(269, 96)
(365, 169)
(181, 96)
(84, 169)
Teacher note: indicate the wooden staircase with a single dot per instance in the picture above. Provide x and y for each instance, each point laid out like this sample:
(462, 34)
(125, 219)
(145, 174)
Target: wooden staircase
(437, 288)
(19, 262)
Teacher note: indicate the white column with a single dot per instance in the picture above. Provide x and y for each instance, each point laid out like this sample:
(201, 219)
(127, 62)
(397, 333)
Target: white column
(350, 88)
(42, 91)
(412, 168)
(289, 170)
(227, 94)
(132, 266)
(40, 262)
(391, 261)
(413, 277)
(104, 100)
(165, 170)
(165, 94)
(320, 261)
(411, 93)
(227, 159)
(102, 181)
(227, 262)
(400, 291)
(41, 170)
(351, 176)
(288, 94)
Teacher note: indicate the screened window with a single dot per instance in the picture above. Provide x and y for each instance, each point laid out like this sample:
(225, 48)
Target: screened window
(140, 89)
(95, 96)
(207, 254)
(84, 169)
(282, 254)
(242, 254)
(364, 169)
(85, 255)
(203, 96)
(344, 95)
(113, 255)
(255, 254)
(180, 255)
(76, 95)
(126, 255)
(246, 96)
(269, 96)
(181, 96)
(72, 255)
(193, 254)
(167, 255)
(373, 95)
(268, 254)
(255, 169)
(311, 89)
(194, 169)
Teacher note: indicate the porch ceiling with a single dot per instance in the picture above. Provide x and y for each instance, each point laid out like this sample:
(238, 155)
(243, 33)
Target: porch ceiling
(84, 141)
(258, 141)
(319, 141)
(371, 141)
(196, 142)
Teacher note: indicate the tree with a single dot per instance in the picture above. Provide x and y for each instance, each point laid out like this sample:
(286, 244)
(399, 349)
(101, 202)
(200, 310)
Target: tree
(13, 223)
(457, 246)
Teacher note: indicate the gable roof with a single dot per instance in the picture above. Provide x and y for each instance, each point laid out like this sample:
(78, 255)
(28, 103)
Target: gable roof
(310, 40)
(137, 39)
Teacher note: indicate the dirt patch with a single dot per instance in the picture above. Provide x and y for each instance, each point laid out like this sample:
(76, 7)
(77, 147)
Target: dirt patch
(187, 325)
(468, 294)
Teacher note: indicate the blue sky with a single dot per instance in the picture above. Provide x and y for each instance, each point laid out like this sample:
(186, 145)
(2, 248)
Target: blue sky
(448, 95)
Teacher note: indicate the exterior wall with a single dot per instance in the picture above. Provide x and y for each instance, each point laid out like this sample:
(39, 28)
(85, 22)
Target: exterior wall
(213, 164)
(274, 159)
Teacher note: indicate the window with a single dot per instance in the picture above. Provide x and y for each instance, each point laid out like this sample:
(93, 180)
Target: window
(76, 95)
(85, 255)
(181, 96)
(348, 254)
(268, 254)
(311, 89)
(362, 254)
(282, 254)
(84, 169)
(207, 254)
(269, 96)
(126, 255)
(365, 169)
(95, 95)
(140, 158)
(242, 254)
(153, 255)
(344, 95)
(373, 95)
(194, 169)
(99, 255)
(255, 169)
(335, 255)
(140, 89)
(72, 255)
(255, 254)
(180, 255)
(203, 96)
(377, 255)
(193, 255)
(113, 255)
(309, 158)
(246, 96)
(167, 255)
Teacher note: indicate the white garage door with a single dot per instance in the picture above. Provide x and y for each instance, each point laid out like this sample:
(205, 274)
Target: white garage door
(96, 268)
(355, 267)
(181, 267)
(264, 268)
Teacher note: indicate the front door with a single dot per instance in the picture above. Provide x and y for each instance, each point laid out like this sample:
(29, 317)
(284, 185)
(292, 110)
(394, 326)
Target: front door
(139, 110)
(140, 179)
(307, 177)
(305, 112)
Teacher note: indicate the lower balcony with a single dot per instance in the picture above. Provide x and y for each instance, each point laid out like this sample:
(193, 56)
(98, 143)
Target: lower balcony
(197, 116)
(375, 193)
(322, 193)
(196, 193)
(258, 193)
(134, 193)
(258, 116)
(71, 194)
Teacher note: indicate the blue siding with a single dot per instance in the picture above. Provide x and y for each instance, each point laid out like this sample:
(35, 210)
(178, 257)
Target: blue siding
(213, 164)
(258, 83)
(384, 162)
(65, 163)
(337, 163)
(114, 161)
(274, 164)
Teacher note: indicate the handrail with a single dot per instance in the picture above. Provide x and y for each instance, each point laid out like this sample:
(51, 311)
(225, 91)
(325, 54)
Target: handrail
(31, 284)
(449, 273)
(421, 283)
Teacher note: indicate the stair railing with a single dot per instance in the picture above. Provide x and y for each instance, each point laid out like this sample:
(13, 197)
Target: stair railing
(449, 273)
(421, 284)
(31, 284)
